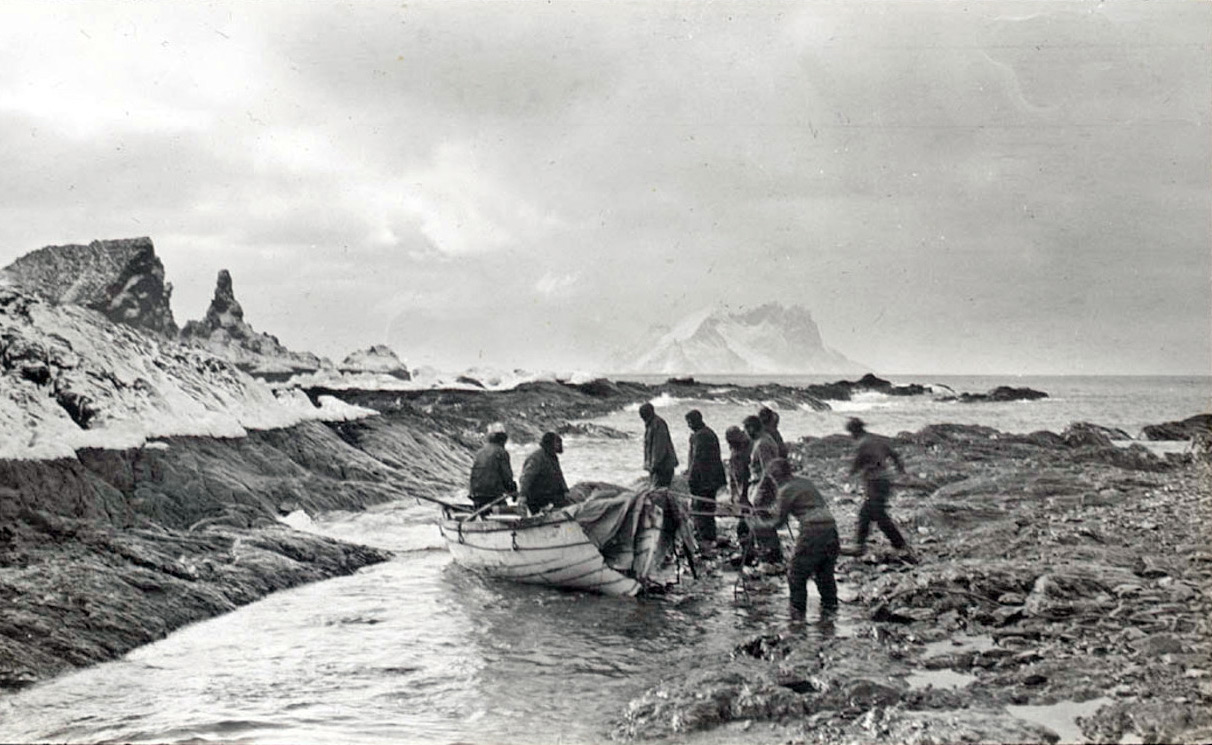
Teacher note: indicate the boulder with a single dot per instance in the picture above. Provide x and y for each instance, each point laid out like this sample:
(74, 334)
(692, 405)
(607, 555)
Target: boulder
(1187, 429)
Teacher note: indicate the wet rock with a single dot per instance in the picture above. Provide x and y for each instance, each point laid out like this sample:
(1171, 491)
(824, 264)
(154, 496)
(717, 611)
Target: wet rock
(1186, 429)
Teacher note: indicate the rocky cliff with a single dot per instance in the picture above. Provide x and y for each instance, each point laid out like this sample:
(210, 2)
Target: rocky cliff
(121, 279)
(224, 333)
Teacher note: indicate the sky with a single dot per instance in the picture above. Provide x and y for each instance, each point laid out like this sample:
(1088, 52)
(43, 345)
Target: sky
(949, 187)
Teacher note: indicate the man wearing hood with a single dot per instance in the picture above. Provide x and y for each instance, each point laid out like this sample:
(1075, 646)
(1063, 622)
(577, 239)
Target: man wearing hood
(543, 482)
(491, 473)
(660, 460)
(705, 474)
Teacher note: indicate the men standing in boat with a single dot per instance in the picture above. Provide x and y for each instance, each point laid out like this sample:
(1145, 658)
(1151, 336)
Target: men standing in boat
(660, 459)
(543, 482)
(491, 472)
(871, 461)
(706, 475)
(816, 548)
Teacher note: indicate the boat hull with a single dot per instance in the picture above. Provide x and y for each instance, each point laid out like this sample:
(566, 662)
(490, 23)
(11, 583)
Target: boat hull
(550, 550)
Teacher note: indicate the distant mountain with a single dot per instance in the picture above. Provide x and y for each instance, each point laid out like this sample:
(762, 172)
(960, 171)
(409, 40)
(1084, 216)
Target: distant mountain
(378, 359)
(770, 339)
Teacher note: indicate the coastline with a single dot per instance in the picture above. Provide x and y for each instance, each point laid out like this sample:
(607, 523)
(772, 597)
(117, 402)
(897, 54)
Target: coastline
(123, 547)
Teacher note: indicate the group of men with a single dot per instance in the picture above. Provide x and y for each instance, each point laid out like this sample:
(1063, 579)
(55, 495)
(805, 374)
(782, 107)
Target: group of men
(758, 466)
(542, 484)
(764, 491)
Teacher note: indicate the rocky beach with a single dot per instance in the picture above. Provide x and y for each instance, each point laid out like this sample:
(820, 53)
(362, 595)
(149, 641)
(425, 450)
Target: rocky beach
(147, 475)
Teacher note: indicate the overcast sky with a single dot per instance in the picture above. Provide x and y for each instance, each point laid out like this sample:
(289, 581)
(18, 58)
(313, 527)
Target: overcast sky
(965, 187)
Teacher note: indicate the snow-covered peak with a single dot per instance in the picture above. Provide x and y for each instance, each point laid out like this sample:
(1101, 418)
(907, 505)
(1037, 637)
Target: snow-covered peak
(769, 339)
(378, 359)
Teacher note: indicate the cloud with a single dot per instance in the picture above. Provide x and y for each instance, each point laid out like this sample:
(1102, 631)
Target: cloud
(557, 286)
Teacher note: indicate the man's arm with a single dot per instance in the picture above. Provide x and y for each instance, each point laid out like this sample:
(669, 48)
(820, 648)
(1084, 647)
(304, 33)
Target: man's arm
(896, 458)
(782, 511)
(506, 472)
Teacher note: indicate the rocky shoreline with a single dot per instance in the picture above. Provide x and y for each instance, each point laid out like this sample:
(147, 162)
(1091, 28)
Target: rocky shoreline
(1060, 576)
(1076, 568)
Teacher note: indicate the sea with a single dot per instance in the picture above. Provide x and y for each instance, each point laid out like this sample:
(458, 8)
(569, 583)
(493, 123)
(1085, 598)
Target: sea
(418, 650)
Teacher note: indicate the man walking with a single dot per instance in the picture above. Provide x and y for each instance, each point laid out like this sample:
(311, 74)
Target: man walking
(660, 460)
(871, 461)
(816, 548)
(706, 475)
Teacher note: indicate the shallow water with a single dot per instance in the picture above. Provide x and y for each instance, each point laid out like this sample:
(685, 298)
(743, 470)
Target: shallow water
(938, 679)
(1060, 717)
(419, 650)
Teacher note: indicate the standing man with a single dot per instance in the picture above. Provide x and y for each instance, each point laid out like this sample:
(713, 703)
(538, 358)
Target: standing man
(705, 474)
(542, 478)
(763, 490)
(871, 461)
(660, 460)
(740, 450)
(816, 548)
(770, 424)
(491, 473)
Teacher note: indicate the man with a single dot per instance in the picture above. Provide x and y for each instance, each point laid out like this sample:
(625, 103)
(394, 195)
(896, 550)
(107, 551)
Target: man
(543, 482)
(740, 450)
(871, 460)
(770, 424)
(491, 473)
(705, 474)
(660, 460)
(763, 490)
(816, 548)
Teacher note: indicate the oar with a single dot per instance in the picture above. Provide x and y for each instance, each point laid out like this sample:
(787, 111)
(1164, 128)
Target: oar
(447, 505)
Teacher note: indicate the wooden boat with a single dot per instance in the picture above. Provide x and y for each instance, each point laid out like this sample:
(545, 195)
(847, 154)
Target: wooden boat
(555, 549)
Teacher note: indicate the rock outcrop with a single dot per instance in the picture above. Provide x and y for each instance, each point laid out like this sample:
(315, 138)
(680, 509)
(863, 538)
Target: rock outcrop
(225, 333)
(121, 279)
(1000, 394)
(376, 360)
(1190, 428)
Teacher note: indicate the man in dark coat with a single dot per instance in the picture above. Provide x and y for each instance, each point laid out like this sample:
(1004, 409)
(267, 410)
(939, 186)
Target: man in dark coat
(491, 473)
(543, 482)
(660, 459)
(871, 461)
(816, 548)
(705, 474)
